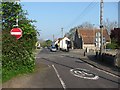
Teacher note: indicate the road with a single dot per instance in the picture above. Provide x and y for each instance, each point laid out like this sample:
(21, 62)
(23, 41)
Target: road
(62, 70)
(66, 72)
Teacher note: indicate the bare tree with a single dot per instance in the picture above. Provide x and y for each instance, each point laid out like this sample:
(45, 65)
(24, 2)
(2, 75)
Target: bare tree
(71, 33)
(86, 25)
(110, 25)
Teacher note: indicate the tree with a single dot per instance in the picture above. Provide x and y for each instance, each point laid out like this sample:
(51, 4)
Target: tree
(71, 33)
(110, 25)
(9, 15)
(115, 35)
(115, 39)
(48, 42)
(86, 25)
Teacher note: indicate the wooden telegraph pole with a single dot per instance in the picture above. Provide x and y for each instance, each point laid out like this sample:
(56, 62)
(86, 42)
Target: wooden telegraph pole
(53, 37)
(101, 26)
(62, 36)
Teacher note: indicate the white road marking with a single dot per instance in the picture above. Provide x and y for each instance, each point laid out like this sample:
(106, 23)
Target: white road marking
(90, 66)
(61, 81)
(81, 74)
(49, 66)
(104, 71)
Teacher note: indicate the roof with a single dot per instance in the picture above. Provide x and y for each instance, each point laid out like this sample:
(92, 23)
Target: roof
(88, 35)
(59, 39)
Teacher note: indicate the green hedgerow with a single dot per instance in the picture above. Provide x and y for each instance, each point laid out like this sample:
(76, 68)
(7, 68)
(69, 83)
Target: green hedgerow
(17, 55)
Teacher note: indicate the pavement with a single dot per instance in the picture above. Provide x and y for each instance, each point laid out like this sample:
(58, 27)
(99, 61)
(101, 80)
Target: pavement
(36, 80)
(90, 59)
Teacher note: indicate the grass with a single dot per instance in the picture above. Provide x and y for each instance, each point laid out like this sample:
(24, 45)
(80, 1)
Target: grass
(36, 51)
(13, 73)
(0, 69)
(0, 74)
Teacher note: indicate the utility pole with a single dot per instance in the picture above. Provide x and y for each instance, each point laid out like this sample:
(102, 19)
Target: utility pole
(62, 32)
(62, 36)
(119, 14)
(101, 26)
(53, 37)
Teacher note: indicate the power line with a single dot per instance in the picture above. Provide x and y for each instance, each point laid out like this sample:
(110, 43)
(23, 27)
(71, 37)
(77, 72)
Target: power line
(82, 13)
(86, 10)
(58, 33)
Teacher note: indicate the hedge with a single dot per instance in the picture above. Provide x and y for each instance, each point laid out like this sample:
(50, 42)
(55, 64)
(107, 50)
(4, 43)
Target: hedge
(17, 55)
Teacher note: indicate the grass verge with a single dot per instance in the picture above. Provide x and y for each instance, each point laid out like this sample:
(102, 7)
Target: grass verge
(13, 73)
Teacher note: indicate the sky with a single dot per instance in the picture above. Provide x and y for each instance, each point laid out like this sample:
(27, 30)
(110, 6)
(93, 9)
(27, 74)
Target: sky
(52, 16)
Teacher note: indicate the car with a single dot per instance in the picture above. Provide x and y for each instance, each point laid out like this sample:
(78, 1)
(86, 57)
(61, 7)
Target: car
(53, 49)
(38, 45)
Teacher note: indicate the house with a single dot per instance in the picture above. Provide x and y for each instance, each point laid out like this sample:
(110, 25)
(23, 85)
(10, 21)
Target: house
(58, 41)
(63, 43)
(89, 38)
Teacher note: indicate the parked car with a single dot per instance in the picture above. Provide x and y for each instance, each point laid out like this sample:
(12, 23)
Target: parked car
(53, 49)
(38, 45)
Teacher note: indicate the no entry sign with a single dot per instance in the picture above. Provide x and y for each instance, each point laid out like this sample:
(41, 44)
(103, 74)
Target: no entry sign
(17, 32)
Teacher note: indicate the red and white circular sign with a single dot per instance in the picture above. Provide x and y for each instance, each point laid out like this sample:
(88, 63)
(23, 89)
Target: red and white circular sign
(17, 32)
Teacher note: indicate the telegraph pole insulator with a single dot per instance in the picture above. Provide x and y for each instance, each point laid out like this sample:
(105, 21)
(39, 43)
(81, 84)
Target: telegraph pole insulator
(101, 26)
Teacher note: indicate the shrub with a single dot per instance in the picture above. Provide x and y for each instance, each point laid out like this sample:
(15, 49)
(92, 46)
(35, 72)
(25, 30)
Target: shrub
(112, 46)
(17, 55)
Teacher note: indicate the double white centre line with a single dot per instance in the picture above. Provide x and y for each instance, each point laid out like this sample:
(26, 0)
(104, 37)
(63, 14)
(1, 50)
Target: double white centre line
(61, 81)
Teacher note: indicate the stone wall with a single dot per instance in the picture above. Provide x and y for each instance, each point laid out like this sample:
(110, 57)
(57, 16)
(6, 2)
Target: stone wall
(110, 58)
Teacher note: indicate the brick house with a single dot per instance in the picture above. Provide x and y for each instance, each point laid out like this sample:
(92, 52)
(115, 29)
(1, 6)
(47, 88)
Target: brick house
(89, 38)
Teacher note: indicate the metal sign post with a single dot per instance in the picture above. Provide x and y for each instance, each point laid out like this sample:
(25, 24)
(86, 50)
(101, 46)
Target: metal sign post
(17, 17)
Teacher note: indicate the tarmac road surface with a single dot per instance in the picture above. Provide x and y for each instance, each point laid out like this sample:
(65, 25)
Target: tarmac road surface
(59, 70)
(69, 74)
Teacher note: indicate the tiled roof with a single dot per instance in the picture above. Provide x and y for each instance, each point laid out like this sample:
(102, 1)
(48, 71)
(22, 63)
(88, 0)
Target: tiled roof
(88, 35)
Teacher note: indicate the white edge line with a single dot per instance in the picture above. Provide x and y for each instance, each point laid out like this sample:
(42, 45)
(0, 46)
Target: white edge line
(61, 81)
(104, 71)
(49, 66)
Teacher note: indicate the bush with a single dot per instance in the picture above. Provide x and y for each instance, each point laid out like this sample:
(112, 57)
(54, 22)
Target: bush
(17, 55)
(111, 46)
